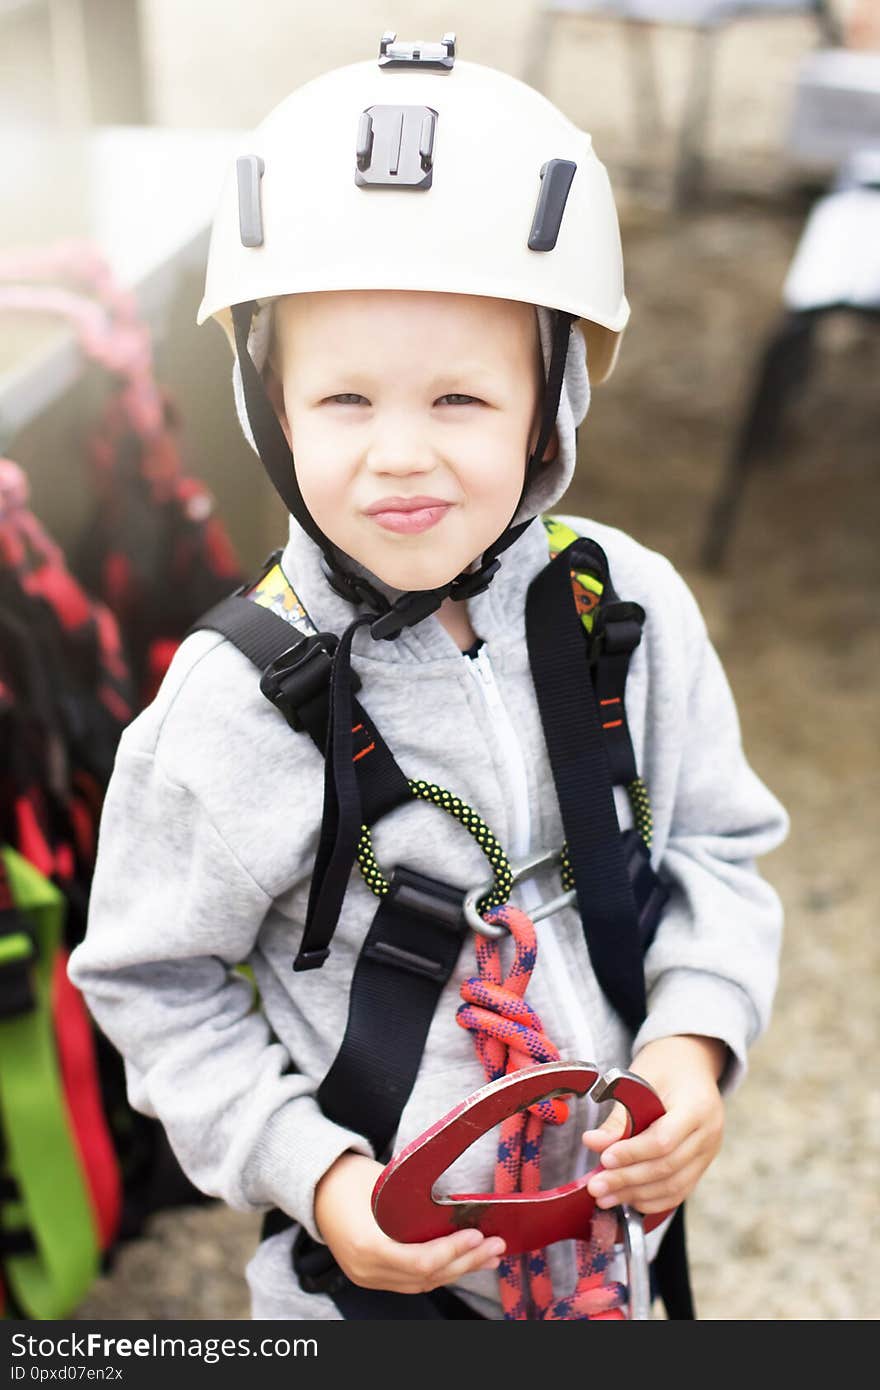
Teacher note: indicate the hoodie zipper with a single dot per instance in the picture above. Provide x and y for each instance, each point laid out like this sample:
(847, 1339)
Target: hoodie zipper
(559, 976)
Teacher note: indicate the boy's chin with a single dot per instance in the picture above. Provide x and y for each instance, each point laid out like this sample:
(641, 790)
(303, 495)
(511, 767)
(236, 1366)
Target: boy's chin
(413, 571)
(411, 577)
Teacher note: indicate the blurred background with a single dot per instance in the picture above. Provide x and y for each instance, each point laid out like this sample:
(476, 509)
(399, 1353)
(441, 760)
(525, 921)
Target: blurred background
(739, 435)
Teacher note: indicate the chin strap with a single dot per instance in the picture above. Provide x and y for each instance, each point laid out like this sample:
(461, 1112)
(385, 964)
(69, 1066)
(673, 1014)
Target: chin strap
(342, 815)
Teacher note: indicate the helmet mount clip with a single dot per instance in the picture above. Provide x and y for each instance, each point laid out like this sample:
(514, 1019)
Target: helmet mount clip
(437, 57)
(395, 147)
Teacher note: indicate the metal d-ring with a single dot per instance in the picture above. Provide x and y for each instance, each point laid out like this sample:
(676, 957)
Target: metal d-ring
(521, 869)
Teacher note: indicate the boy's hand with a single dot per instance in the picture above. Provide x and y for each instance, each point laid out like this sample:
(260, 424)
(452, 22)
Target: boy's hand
(660, 1167)
(344, 1216)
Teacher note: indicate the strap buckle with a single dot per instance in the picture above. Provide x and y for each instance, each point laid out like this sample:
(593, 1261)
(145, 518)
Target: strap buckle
(437, 905)
(301, 674)
(477, 582)
(413, 607)
(617, 629)
(405, 612)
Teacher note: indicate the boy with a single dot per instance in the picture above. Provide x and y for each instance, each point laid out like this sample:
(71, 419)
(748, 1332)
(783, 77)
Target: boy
(412, 344)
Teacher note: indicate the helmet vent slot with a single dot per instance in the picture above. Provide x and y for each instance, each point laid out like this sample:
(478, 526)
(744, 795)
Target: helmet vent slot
(249, 169)
(556, 177)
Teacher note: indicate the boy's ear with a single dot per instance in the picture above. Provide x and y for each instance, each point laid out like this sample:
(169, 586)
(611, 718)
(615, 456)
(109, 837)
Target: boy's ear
(275, 392)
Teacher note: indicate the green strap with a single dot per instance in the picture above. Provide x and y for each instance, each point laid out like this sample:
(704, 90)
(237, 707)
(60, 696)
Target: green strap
(41, 1154)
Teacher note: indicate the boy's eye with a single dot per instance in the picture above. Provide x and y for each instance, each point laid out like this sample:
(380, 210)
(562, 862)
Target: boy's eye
(352, 398)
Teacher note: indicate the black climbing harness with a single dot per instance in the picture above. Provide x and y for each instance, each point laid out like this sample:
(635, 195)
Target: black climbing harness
(579, 653)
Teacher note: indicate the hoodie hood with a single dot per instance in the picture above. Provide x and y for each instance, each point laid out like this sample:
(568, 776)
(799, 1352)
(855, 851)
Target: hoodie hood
(550, 482)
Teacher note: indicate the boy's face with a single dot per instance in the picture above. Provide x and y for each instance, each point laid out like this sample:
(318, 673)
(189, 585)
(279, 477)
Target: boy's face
(393, 396)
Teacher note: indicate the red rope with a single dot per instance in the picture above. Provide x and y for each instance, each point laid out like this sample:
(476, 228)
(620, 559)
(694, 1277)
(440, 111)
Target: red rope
(135, 445)
(509, 1035)
(40, 568)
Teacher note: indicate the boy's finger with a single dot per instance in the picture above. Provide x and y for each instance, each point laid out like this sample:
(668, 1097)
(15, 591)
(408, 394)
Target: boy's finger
(661, 1138)
(618, 1182)
(612, 1128)
(654, 1169)
(432, 1257)
(486, 1256)
(659, 1196)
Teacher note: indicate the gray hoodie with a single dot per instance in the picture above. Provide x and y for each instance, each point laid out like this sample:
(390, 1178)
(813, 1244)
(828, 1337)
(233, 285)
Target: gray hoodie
(206, 846)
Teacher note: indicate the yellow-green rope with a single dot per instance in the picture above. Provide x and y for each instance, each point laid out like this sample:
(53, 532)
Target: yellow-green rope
(429, 791)
(502, 873)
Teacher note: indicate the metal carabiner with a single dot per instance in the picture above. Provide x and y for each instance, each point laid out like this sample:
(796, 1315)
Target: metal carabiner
(521, 869)
(637, 1272)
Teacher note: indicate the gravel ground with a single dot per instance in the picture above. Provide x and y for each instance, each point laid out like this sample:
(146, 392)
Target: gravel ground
(785, 1224)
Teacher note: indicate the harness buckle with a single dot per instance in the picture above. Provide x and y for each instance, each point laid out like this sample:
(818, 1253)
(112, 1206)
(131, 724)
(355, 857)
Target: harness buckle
(522, 868)
(301, 674)
(617, 629)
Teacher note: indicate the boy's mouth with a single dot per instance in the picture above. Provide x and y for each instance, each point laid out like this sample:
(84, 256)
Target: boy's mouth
(408, 514)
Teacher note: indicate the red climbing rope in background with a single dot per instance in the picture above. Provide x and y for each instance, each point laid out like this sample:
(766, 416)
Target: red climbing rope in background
(156, 552)
(509, 1035)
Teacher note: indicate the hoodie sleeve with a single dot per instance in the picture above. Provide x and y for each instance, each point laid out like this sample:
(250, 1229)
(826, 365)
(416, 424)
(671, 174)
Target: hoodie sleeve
(172, 913)
(712, 968)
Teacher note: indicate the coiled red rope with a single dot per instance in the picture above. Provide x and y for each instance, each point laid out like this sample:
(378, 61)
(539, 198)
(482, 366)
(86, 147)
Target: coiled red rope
(509, 1035)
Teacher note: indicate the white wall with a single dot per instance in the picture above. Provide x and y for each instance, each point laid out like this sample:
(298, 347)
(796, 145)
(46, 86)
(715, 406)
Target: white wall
(218, 62)
(227, 62)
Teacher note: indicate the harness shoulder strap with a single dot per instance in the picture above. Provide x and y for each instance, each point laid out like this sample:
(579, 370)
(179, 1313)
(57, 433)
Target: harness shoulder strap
(413, 942)
(572, 706)
(416, 934)
(560, 663)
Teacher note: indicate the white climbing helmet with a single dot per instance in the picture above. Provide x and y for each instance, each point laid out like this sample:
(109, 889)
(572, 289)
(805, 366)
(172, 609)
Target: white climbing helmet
(421, 171)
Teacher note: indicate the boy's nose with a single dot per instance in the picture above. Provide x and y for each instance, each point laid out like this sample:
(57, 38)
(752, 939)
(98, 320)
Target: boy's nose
(399, 447)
